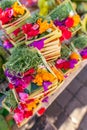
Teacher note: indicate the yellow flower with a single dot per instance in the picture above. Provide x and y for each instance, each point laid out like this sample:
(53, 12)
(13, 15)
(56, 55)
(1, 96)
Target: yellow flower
(18, 10)
(33, 105)
(76, 19)
(43, 75)
(44, 25)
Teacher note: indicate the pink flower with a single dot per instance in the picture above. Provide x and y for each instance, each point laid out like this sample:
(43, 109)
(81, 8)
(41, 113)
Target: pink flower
(23, 96)
(35, 27)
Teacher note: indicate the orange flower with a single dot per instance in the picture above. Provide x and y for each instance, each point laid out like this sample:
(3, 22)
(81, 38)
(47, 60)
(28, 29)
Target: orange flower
(76, 19)
(43, 75)
(38, 80)
(39, 21)
(18, 10)
(32, 105)
(74, 55)
(44, 25)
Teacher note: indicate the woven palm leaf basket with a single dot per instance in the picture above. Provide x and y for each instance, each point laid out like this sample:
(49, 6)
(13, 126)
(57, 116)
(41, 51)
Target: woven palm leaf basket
(32, 84)
(66, 18)
(32, 79)
(69, 61)
(17, 15)
(44, 36)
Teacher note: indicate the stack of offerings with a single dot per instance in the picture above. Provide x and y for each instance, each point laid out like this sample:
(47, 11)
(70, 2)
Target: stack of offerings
(13, 16)
(42, 34)
(31, 78)
(66, 19)
(70, 59)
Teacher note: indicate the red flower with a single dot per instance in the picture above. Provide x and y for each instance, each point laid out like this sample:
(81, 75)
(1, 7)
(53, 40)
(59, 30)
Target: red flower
(59, 66)
(17, 110)
(19, 89)
(33, 33)
(6, 16)
(29, 72)
(1, 10)
(69, 22)
(84, 57)
(67, 34)
(61, 38)
(10, 85)
(16, 32)
(41, 111)
(62, 28)
(27, 27)
(66, 65)
(23, 106)
(29, 101)
(27, 114)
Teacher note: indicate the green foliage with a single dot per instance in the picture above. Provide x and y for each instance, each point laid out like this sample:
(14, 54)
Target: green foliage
(3, 53)
(22, 59)
(3, 124)
(7, 3)
(60, 12)
(65, 52)
(35, 17)
(10, 100)
(80, 42)
(3, 57)
(2, 77)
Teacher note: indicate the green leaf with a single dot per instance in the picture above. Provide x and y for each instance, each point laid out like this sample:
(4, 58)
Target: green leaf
(80, 42)
(6, 3)
(22, 59)
(61, 11)
(10, 100)
(65, 52)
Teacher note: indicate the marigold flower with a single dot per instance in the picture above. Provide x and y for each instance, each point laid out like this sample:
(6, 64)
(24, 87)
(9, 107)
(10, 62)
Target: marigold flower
(18, 10)
(43, 75)
(76, 19)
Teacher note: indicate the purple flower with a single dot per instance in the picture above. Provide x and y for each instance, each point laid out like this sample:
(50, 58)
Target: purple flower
(38, 44)
(46, 84)
(59, 23)
(72, 63)
(83, 52)
(7, 44)
(45, 99)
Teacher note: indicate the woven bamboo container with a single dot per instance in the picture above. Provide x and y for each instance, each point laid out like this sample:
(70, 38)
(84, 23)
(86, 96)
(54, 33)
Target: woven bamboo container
(41, 91)
(17, 24)
(54, 84)
(52, 46)
(76, 65)
(71, 12)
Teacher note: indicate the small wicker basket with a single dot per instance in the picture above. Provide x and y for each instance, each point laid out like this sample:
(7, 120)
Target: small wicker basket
(17, 24)
(52, 46)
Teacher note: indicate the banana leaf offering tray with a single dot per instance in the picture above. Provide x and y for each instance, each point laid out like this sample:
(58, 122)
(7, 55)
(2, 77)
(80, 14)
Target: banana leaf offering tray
(13, 16)
(31, 78)
(30, 70)
(66, 19)
(70, 59)
(42, 34)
